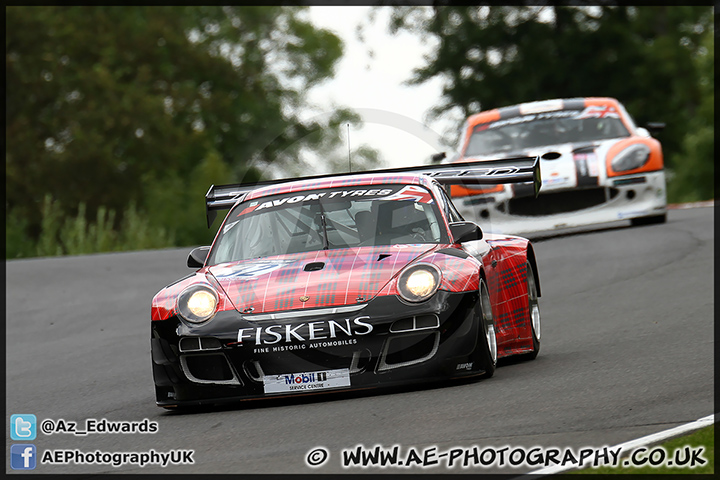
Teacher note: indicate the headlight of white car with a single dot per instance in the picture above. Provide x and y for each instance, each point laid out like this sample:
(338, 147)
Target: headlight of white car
(419, 282)
(197, 303)
(634, 156)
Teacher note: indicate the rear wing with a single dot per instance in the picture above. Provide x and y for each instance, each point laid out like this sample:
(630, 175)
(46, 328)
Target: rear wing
(483, 172)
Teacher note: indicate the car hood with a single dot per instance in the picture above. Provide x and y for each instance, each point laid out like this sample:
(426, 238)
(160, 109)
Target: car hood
(326, 278)
(578, 163)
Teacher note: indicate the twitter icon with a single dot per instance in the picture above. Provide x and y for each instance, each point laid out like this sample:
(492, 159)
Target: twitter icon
(23, 427)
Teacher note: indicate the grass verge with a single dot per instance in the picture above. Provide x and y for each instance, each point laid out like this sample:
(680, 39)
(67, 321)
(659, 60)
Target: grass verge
(677, 450)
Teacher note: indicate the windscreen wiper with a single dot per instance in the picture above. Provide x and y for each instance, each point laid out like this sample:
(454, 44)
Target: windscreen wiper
(323, 222)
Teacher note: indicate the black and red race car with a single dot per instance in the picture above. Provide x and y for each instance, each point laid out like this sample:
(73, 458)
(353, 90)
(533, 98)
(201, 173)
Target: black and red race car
(344, 282)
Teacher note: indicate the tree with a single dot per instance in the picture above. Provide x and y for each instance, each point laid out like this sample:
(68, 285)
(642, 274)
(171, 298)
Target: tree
(693, 170)
(491, 57)
(111, 106)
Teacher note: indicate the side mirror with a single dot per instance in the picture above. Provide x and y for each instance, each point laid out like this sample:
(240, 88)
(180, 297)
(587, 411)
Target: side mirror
(655, 127)
(197, 257)
(438, 157)
(465, 232)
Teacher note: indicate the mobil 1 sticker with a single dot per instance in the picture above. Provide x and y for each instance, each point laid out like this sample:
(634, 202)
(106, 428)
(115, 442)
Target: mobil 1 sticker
(307, 381)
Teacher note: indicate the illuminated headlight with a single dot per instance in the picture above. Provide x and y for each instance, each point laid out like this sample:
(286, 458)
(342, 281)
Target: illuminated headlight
(631, 158)
(419, 282)
(197, 303)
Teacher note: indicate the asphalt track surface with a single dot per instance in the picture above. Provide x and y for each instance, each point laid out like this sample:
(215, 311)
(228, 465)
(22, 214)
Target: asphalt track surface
(627, 350)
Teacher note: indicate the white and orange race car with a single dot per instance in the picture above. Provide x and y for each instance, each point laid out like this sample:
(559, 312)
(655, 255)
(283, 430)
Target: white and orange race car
(597, 166)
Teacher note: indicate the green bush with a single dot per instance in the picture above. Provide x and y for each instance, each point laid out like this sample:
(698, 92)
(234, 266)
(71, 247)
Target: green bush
(138, 233)
(18, 243)
(76, 236)
(49, 243)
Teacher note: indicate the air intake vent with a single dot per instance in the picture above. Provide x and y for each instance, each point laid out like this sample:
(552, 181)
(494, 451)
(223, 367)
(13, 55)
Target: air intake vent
(419, 322)
(560, 202)
(196, 344)
(409, 349)
(208, 368)
(314, 266)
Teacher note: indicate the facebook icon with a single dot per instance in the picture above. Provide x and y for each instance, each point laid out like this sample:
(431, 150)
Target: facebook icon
(22, 457)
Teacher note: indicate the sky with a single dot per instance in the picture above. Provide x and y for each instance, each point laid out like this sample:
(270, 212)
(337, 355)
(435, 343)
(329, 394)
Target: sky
(394, 115)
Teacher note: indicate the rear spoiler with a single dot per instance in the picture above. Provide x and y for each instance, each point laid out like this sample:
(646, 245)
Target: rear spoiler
(484, 172)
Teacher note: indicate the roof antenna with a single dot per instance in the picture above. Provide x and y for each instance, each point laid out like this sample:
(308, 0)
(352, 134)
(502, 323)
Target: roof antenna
(348, 142)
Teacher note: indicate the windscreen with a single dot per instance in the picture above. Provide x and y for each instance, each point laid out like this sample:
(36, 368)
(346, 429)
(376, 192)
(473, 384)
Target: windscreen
(549, 128)
(327, 219)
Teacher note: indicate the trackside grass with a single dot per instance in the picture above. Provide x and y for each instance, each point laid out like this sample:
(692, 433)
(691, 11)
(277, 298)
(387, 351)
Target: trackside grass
(704, 437)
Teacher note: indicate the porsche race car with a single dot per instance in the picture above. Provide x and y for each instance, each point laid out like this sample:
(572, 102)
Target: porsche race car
(597, 166)
(343, 282)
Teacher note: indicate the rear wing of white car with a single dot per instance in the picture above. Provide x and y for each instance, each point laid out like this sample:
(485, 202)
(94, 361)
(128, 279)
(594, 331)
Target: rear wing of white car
(485, 172)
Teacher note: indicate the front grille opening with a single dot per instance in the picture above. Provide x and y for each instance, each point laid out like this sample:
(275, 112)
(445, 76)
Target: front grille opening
(560, 202)
(308, 360)
(208, 367)
(360, 361)
(402, 325)
(191, 344)
(419, 322)
(427, 321)
(254, 370)
(408, 349)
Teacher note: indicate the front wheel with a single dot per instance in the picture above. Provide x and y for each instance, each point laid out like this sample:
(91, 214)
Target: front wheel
(487, 341)
(533, 313)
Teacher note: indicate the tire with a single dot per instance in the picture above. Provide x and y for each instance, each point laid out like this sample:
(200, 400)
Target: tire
(533, 313)
(487, 340)
(654, 220)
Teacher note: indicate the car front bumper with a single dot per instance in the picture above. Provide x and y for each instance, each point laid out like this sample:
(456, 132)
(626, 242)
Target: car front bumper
(621, 198)
(385, 342)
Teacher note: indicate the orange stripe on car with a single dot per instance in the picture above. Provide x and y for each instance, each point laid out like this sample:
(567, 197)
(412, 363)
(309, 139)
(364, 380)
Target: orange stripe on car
(477, 119)
(608, 102)
(461, 191)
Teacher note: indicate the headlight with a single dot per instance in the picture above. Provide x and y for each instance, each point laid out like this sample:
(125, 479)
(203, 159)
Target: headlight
(419, 282)
(197, 303)
(631, 158)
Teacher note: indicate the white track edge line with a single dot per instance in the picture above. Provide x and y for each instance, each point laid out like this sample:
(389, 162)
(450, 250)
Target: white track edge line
(639, 442)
